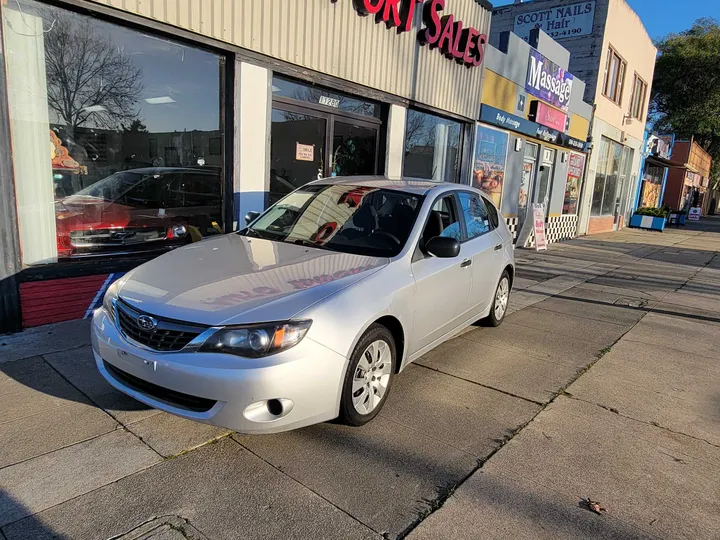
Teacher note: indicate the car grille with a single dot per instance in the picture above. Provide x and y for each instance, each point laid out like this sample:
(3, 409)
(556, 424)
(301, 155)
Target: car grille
(122, 236)
(168, 335)
(171, 397)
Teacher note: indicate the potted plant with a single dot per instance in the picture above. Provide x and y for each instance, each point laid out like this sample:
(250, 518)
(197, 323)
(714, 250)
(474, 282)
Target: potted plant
(649, 218)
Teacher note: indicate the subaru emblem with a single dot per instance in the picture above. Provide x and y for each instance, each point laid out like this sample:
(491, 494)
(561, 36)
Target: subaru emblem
(146, 322)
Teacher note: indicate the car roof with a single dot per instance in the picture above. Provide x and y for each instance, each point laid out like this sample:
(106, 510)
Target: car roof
(416, 186)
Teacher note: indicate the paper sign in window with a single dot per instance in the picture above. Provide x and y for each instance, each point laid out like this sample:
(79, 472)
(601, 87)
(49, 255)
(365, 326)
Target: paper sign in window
(304, 152)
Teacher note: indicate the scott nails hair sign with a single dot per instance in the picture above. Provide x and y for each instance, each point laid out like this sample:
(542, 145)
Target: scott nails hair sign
(450, 36)
(559, 22)
(548, 81)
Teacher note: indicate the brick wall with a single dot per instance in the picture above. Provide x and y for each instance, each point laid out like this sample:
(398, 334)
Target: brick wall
(601, 224)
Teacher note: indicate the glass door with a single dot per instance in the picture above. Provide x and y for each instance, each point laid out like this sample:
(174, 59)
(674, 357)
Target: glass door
(544, 180)
(526, 182)
(354, 149)
(298, 146)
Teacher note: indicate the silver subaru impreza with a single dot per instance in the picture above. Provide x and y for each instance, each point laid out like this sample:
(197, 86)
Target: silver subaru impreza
(309, 312)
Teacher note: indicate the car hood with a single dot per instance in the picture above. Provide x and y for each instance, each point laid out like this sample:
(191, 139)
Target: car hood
(234, 279)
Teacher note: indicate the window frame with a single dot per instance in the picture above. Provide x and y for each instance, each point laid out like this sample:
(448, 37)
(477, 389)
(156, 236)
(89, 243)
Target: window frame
(637, 109)
(419, 252)
(614, 94)
(123, 262)
(463, 143)
(463, 224)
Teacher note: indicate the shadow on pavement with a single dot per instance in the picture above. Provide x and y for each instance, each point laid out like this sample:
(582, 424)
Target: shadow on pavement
(12, 510)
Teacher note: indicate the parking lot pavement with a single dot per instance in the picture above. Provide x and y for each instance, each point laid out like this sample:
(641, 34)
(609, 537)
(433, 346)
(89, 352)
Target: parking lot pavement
(602, 382)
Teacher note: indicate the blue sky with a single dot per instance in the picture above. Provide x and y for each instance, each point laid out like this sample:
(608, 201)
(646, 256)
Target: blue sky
(664, 16)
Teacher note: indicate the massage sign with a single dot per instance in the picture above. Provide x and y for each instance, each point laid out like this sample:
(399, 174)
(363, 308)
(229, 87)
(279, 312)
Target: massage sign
(450, 36)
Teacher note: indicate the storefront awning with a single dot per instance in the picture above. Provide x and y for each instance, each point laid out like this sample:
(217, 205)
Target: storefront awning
(660, 162)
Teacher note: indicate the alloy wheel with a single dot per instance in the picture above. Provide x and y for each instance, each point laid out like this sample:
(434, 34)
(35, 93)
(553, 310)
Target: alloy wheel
(501, 298)
(371, 377)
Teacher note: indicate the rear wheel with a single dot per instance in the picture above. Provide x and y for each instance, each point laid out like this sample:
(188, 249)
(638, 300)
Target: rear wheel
(368, 377)
(500, 301)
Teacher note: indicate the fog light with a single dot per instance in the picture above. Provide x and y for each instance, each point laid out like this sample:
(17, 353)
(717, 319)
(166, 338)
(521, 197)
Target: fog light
(178, 231)
(268, 410)
(274, 407)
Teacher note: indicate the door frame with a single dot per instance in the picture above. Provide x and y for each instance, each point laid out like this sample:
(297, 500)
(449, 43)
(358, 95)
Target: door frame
(331, 116)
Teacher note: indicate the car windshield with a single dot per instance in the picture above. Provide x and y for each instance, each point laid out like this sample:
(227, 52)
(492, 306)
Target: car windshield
(114, 186)
(352, 219)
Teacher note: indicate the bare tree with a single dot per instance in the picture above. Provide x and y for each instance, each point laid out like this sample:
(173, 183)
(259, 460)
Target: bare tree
(88, 78)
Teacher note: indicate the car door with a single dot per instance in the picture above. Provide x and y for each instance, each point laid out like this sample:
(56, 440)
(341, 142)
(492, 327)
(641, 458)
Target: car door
(442, 286)
(484, 245)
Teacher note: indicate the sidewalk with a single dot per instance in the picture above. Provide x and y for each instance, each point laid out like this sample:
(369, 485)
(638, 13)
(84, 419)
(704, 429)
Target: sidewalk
(602, 382)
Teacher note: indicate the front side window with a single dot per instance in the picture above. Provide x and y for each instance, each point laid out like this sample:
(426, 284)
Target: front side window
(477, 221)
(613, 167)
(432, 147)
(116, 136)
(351, 219)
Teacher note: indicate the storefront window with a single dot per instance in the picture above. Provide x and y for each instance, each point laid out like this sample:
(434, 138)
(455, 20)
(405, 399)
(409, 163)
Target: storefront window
(576, 164)
(432, 147)
(116, 136)
(613, 165)
(489, 162)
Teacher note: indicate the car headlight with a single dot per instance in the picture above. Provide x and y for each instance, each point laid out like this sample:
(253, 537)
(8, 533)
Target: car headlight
(111, 295)
(257, 340)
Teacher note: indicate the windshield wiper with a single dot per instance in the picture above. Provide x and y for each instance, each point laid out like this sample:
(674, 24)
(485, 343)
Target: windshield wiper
(256, 234)
(307, 243)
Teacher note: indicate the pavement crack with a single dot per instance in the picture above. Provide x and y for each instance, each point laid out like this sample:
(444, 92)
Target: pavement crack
(646, 422)
(284, 473)
(480, 384)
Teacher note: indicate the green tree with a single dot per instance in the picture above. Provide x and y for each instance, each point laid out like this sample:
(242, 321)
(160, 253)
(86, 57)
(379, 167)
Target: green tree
(686, 87)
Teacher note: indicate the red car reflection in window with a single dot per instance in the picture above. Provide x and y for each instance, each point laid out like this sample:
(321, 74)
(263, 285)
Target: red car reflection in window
(139, 210)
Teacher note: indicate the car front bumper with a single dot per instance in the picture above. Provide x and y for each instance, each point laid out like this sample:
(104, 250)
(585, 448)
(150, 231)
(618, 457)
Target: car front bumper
(223, 389)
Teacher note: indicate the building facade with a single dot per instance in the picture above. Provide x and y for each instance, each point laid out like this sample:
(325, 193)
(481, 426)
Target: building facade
(654, 168)
(611, 51)
(130, 127)
(689, 177)
(531, 141)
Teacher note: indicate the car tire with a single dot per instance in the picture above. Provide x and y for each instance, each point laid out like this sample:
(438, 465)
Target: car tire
(499, 306)
(368, 377)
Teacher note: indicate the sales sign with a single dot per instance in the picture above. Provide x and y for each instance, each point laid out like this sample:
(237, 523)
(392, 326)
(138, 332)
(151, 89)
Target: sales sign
(694, 214)
(548, 81)
(444, 32)
(539, 226)
(559, 22)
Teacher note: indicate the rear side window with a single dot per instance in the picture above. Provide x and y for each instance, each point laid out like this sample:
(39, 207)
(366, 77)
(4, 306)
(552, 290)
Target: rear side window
(475, 213)
(492, 213)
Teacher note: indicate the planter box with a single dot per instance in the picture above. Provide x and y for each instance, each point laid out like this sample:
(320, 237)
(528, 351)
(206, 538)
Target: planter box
(647, 222)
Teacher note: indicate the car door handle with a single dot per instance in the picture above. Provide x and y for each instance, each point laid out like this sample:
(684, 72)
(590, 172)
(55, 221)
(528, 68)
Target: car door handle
(498, 247)
(466, 262)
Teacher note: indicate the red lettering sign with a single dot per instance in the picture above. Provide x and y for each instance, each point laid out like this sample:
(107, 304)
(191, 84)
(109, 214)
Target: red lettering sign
(450, 36)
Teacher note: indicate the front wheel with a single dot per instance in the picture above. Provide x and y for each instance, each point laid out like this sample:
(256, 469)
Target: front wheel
(500, 301)
(368, 378)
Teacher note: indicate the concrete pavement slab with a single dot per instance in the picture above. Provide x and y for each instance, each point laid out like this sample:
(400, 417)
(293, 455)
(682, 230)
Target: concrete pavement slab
(501, 506)
(688, 313)
(383, 474)
(691, 299)
(538, 343)
(78, 366)
(657, 384)
(222, 489)
(687, 336)
(50, 479)
(51, 429)
(513, 371)
(653, 482)
(30, 386)
(590, 309)
(170, 435)
(600, 332)
(44, 339)
(458, 412)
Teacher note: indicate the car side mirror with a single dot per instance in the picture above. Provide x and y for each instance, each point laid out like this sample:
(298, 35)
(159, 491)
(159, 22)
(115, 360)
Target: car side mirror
(443, 247)
(250, 217)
